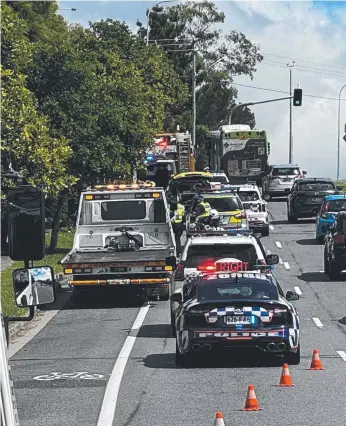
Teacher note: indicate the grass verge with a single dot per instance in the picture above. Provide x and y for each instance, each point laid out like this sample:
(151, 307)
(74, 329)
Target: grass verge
(9, 307)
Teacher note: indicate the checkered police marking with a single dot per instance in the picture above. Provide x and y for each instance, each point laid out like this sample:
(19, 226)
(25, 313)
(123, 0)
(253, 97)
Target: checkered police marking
(261, 313)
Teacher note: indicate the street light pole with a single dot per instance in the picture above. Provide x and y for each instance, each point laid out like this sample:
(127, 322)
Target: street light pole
(290, 142)
(338, 160)
(194, 99)
(148, 17)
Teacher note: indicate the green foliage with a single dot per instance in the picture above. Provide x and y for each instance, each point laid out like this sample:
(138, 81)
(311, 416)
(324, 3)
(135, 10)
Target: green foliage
(219, 58)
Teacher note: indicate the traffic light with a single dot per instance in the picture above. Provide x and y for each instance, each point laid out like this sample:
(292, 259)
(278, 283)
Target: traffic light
(297, 97)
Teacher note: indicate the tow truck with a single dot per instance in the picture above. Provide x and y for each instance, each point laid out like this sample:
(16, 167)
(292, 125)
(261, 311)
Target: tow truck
(123, 239)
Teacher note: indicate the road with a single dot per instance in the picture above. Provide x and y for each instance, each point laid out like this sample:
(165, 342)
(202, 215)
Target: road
(154, 392)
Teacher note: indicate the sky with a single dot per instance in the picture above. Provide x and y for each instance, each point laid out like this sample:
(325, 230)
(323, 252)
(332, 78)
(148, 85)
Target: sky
(42, 273)
(310, 33)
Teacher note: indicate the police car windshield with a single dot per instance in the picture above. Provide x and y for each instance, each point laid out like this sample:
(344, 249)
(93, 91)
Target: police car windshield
(198, 255)
(248, 195)
(223, 204)
(228, 288)
(285, 171)
(336, 205)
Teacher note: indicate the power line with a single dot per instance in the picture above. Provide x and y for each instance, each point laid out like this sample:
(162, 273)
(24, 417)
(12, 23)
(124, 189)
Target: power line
(302, 60)
(300, 68)
(286, 93)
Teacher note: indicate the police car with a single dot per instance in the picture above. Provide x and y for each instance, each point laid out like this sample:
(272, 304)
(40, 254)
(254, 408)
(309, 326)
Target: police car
(256, 208)
(202, 250)
(218, 180)
(235, 310)
(228, 205)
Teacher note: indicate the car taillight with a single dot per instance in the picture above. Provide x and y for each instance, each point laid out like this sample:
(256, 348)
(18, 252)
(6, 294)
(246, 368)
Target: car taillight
(325, 208)
(339, 240)
(207, 267)
(179, 272)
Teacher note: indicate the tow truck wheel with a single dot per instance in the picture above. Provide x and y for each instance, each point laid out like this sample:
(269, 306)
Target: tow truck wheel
(265, 231)
(182, 360)
(292, 358)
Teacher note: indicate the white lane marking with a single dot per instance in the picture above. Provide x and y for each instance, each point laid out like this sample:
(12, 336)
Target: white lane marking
(318, 322)
(298, 291)
(110, 398)
(342, 354)
(271, 227)
(281, 261)
(268, 251)
(278, 244)
(287, 266)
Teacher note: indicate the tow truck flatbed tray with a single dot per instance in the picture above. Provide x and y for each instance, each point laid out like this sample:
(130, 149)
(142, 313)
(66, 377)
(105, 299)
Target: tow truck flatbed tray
(109, 257)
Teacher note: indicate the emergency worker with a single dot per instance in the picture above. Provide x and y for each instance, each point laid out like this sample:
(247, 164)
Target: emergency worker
(177, 214)
(202, 210)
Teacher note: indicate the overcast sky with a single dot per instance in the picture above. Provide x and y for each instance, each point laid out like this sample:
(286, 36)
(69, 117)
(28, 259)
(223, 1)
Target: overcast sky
(312, 34)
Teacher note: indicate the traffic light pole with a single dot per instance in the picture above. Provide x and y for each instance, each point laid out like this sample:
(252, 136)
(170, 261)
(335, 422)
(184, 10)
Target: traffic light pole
(256, 103)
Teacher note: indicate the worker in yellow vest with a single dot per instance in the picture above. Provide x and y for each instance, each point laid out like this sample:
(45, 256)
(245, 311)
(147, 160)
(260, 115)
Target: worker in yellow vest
(177, 219)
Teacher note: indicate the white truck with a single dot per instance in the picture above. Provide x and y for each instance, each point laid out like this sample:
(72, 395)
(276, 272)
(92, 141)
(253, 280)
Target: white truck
(124, 239)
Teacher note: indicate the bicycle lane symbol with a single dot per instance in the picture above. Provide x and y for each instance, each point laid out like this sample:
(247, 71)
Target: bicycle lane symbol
(84, 375)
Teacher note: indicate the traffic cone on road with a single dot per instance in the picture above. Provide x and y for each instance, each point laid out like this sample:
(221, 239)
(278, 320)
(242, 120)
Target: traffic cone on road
(219, 419)
(316, 363)
(251, 403)
(285, 380)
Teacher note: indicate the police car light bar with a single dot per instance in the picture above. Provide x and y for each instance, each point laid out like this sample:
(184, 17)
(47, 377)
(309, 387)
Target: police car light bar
(225, 232)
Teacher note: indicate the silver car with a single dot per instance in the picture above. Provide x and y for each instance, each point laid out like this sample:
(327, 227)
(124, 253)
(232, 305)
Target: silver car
(279, 180)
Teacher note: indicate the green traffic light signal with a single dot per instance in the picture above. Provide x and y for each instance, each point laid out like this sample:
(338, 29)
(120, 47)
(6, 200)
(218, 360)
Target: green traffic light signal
(297, 97)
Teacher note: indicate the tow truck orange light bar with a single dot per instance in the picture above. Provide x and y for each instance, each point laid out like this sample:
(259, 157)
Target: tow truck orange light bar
(141, 185)
(120, 281)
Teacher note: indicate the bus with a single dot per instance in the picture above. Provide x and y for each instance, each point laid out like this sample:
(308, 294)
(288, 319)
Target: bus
(240, 152)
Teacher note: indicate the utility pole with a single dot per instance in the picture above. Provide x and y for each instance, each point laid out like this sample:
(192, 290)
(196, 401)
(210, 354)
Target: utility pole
(290, 141)
(338, 159)
(194, 98)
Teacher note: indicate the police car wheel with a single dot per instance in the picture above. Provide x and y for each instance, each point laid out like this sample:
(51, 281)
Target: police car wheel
(292, 358)
(182, 360)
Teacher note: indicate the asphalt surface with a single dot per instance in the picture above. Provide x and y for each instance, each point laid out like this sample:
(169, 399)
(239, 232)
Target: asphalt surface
(154, 392)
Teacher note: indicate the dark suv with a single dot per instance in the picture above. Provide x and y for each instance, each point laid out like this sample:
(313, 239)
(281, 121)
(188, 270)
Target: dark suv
(335, 248)
(306, 197)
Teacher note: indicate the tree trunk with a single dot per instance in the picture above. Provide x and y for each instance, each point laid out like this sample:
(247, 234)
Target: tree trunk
(56, 221)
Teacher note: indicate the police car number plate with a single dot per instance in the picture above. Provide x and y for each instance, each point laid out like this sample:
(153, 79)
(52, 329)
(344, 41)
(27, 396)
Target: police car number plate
(236, 319)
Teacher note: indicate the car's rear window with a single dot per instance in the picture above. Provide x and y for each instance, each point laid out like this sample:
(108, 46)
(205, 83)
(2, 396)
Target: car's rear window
(224, 204)
(336, 205)
(316, 186)
(123, 210)
(218, 290)
(221, 179)
(248, 195)
(198, 255)
(285, 171)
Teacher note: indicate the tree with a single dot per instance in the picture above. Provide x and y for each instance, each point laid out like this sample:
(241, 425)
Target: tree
(178, 29)
(26, 141)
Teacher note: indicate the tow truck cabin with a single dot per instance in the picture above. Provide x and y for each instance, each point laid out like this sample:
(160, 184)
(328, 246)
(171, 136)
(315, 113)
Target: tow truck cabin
(123, 237)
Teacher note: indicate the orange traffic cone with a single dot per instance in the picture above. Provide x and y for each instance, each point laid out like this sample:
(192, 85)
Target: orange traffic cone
(251, 403)
(219, 419)
(316, 363)
(285, 377)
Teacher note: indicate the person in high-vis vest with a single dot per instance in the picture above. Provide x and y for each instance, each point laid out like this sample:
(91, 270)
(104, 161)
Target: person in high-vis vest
(177, 219)
(202, 211)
